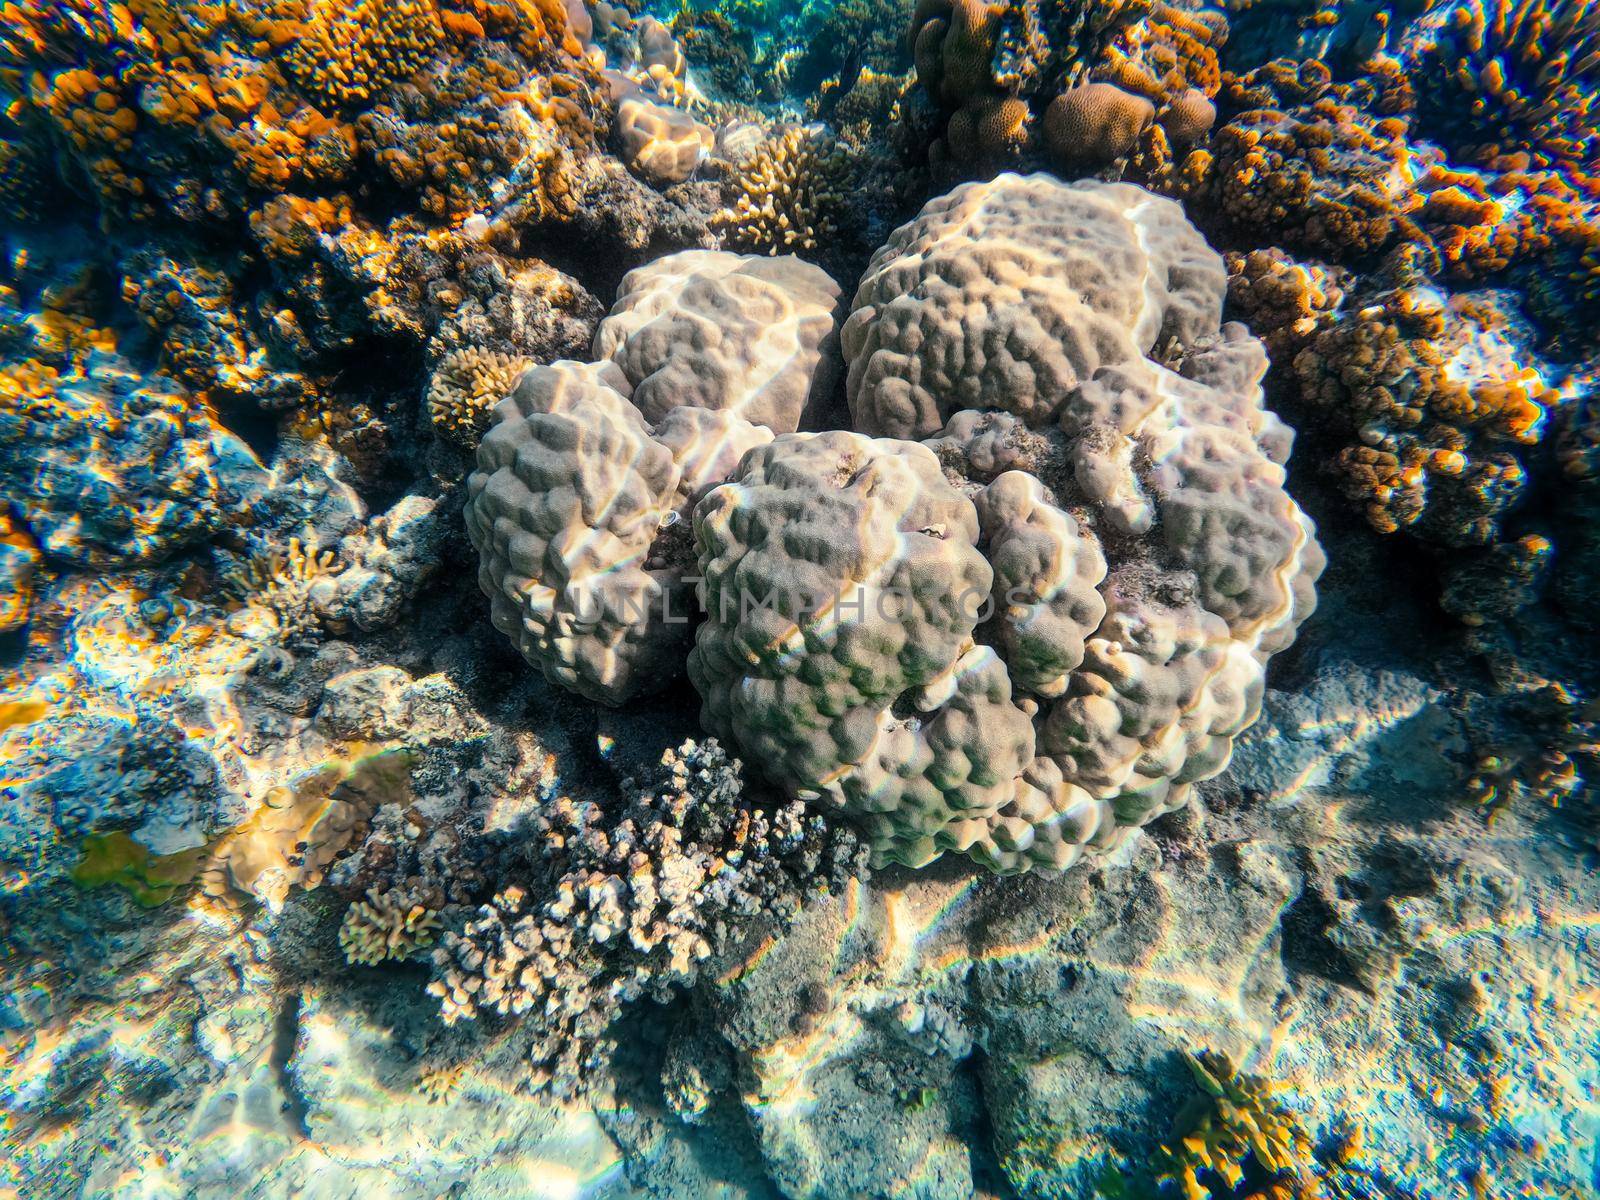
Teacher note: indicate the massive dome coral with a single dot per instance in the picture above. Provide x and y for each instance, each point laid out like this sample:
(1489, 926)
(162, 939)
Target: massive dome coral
(1032, 632)
(579, 506)
(1016, 612)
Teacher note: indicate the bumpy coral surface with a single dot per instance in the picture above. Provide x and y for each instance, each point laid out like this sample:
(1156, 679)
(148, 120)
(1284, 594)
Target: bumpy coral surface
(708, 329)
(579, 507)
(1049, 646)
(110, 466)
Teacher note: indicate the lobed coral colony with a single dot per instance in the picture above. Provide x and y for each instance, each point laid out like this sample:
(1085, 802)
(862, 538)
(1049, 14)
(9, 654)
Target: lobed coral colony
(410, 664)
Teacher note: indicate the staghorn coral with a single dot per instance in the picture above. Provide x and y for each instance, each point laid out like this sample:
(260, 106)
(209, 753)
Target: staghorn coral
(633, 901)
(464, 389)
(392, 924)
(847, 575)
(788, 195)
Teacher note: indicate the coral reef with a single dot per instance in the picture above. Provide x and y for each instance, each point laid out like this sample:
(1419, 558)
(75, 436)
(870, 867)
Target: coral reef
(317, 879)
(787, 195)
(386, 925)
(1094, 81)
(640, 897)
(846, 576)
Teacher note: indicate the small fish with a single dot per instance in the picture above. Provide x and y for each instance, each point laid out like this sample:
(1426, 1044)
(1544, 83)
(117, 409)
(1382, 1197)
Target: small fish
(21, 712)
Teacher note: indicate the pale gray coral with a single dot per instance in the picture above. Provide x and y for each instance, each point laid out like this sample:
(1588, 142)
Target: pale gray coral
(1036, 631)
(1009, 294)
(579, 508)
(634, 901)
(709, 329)
(571, 497)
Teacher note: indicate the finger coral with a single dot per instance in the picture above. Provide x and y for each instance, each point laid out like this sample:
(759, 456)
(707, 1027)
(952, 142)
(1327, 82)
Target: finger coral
(465, 388)
(787, 195)
(387, 925)
(1508, 78)
(637, 898)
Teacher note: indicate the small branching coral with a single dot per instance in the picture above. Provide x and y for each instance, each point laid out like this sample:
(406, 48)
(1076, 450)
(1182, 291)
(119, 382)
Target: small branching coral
(388, 925)
(1556, 731)
(789, 195)
(466, 386)
(630, 903)
(279, 583)
(1237, 1133)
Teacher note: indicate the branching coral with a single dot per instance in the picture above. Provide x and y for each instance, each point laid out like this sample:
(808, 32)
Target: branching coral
(787, 196)
(1237, 1135)
(388, 925)
(635, 899)
(1501, 79)
(279, 583)
(465, 387)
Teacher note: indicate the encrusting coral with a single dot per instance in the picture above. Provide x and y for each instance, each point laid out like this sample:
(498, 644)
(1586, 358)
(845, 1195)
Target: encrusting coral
(632, 902)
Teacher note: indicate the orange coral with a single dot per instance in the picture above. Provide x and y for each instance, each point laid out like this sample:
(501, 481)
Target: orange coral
(349, 52)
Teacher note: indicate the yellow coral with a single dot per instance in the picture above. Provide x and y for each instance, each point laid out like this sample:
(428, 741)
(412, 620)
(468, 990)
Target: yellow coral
(1237, 1125)
(280, 583)
(386, 925)
(787, 194)
(465, 388)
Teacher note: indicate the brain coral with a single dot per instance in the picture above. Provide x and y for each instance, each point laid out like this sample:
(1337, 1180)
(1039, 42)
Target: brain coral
(1037, 629)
